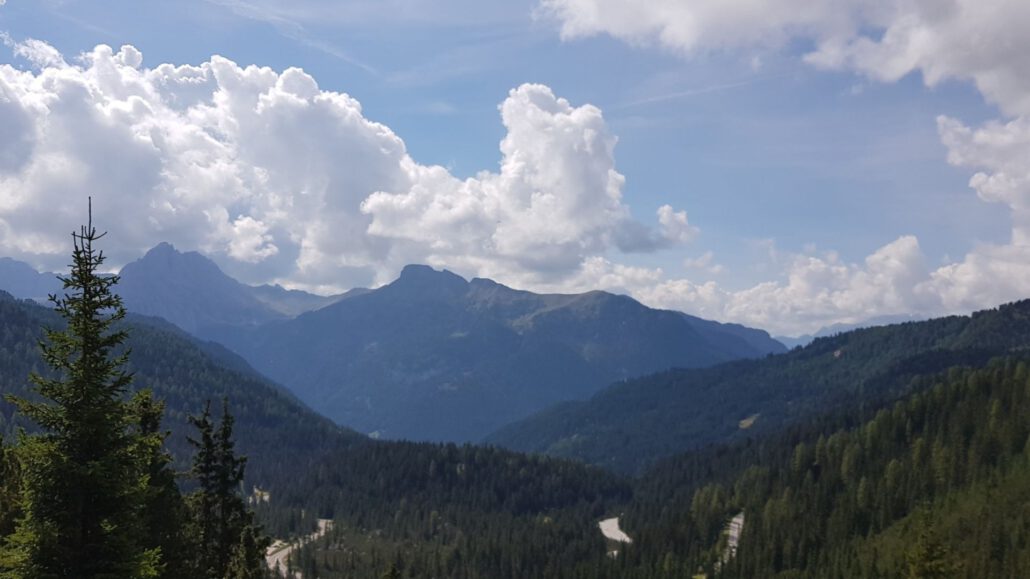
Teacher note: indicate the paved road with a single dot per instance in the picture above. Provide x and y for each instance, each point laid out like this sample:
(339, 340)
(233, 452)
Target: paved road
(279, 553)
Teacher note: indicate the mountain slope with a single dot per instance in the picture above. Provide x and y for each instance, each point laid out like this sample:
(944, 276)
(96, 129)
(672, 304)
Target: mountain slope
(861, 493)
(190, 291)
(432, 356)
(632, 423)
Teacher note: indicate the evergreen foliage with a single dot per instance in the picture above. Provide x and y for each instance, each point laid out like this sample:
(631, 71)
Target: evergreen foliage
(82, 485)
(935, 485)
(229, 544)
(163, 515)
(89, 491)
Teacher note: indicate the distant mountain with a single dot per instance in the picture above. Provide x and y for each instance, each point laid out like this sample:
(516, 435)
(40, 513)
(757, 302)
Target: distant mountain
(22, 281)
(835, 329)
(190, 291)
(432, 356)
(292, 303)
(633, 423)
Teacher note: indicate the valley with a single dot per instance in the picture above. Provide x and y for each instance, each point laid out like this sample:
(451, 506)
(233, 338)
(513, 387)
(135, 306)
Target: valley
(682, 454)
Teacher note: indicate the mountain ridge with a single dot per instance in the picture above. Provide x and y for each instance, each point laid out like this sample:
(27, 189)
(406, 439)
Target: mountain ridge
(474, 353)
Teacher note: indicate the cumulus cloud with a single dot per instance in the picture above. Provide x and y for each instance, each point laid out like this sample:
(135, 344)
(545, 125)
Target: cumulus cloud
(556, 200)
(674, 225)
(282, 181)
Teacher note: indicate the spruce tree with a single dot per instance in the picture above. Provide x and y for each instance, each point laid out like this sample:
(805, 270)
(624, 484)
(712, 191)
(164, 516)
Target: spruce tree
(163, 515)
(10, 487)
(929, 557)
(82, 485)
(229, 544)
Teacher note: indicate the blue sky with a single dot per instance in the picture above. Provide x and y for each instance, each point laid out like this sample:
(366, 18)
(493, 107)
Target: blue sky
(786, 166)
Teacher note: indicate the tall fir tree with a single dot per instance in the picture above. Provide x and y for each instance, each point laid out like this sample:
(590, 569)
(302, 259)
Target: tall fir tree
(82, 485)
(164, 514)
(229, 543)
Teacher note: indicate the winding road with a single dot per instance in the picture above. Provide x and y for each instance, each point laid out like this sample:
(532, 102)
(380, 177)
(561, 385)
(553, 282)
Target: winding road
(279, 553)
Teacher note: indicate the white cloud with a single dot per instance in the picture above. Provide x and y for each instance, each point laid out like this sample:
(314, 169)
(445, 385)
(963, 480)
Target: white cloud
(282, 181)
(675, 226)
(816, 290)
(706, 263)
(556, 200)
(1002, 152)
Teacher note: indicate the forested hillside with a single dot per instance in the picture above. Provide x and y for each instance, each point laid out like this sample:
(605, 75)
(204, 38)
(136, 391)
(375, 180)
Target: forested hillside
(424, 499)
(279, 434)
(633, 423)
(938, 480)
(458, 512)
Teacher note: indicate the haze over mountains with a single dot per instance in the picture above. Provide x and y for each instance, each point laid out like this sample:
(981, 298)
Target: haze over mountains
(430, 356)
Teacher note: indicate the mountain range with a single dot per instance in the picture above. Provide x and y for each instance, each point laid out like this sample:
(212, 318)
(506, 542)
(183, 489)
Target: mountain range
(433, 356)
(430, 356)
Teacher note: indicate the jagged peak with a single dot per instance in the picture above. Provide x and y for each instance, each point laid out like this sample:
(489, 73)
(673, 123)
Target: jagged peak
(163, 247)
(425, 273)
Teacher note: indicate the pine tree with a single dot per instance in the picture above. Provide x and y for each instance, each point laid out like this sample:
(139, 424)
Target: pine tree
(82, 485)
(929, 557)
(230, 545)
(10, 485)
(163, 514)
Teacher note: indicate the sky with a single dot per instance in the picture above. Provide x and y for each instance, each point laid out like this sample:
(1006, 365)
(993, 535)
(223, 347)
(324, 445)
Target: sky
(787, 165)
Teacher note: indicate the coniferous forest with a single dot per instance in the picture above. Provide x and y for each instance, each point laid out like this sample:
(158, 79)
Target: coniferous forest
(131, 449)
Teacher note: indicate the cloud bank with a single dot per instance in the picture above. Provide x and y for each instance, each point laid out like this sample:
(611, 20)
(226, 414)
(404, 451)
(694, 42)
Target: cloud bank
(281, 181)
